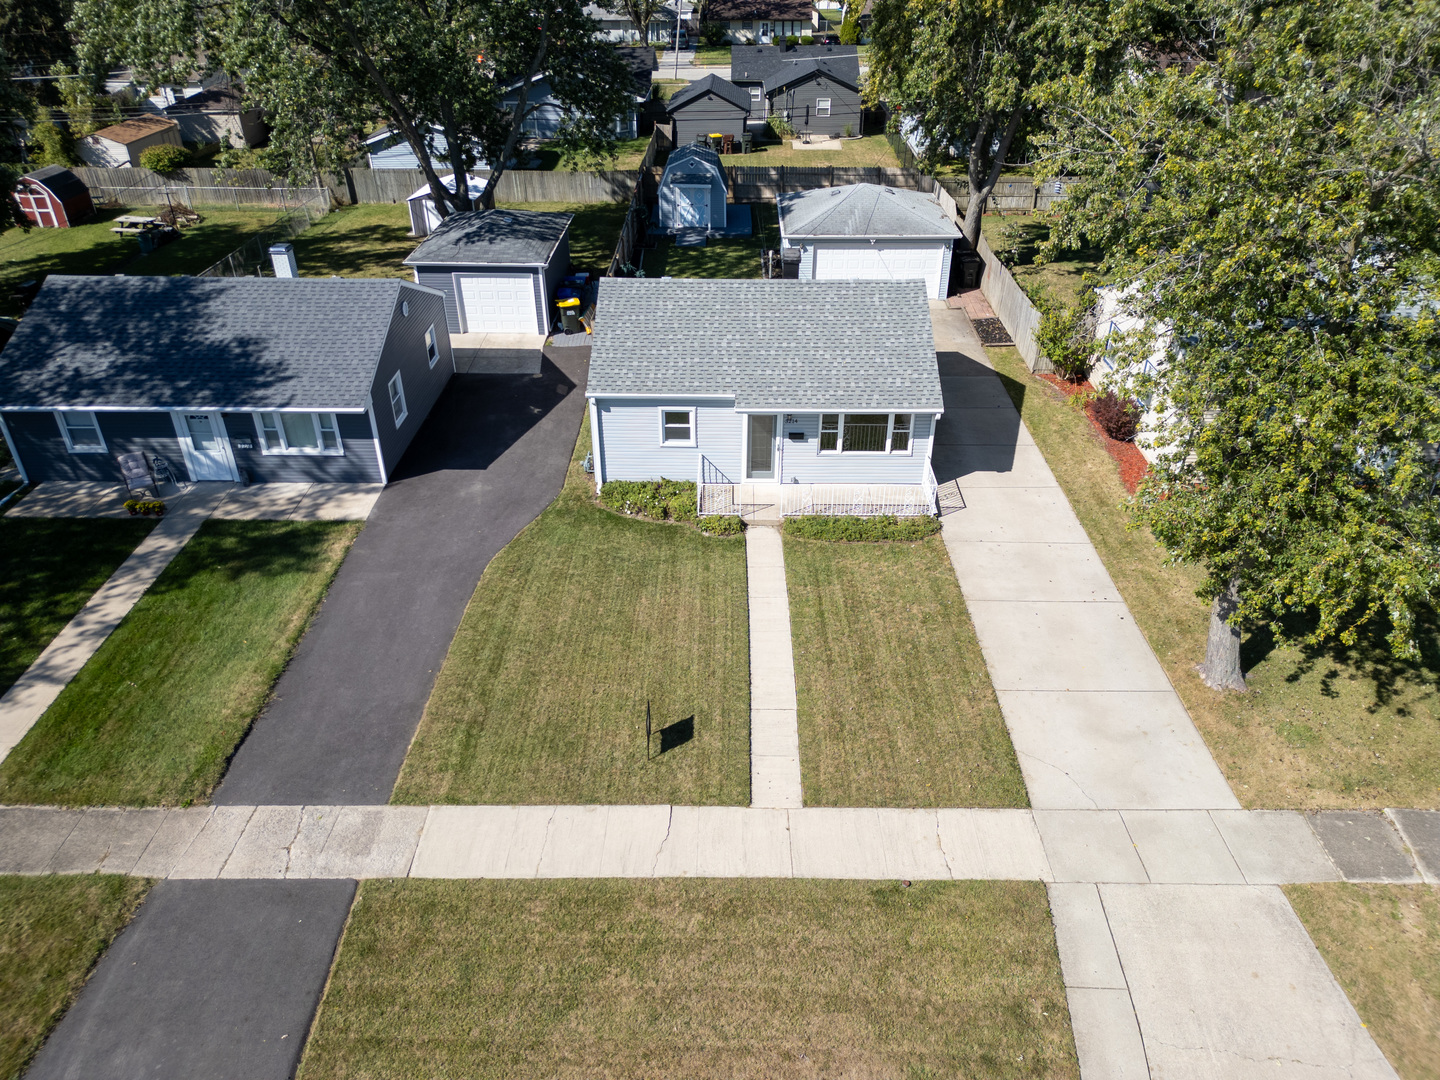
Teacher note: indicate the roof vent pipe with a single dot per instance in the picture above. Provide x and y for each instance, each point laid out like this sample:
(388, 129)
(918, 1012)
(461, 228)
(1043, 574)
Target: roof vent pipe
(283, 258)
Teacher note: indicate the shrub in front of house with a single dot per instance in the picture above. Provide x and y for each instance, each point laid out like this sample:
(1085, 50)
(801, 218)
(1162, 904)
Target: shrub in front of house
(886, 527)
(145, 507)
(713, 34)
(1118, 417)
(720, 525)
(164, 158)
(663, 500)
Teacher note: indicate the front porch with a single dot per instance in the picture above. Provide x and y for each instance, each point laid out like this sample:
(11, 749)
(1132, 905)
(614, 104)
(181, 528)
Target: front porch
(770, 502)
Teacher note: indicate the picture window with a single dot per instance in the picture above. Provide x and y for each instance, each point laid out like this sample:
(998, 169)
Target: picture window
(866, 433)
(298, 433)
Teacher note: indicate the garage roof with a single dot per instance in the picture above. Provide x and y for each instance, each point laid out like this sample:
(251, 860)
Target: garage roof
(493, 238)
(710, 84)
(863, 210)
(782, 345)
(199, 343)
(140, 127)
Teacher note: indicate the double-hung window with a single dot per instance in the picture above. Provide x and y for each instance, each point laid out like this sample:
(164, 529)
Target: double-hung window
(865, 433)
(677, 427)
(81, 431)
(298, 433)
(432, 346)
(397, 399)
(822, 106)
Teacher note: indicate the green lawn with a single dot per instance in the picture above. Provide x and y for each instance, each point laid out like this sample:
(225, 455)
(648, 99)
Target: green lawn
(52, 567)
(155, 714)
(93, 249)
(1382, 942)
(628, 153)
(736, 258)
(581, 622)
(868, 151)
(367, 241)
(895, 702)
(1022, 234)
(696, 979)
(594, 232)
(1326, 727)
(52, 931)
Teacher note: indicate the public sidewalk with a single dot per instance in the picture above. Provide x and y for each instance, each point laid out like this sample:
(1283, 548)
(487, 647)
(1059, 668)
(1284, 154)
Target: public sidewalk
(774, 729)
(67, 653)
(1176, 963)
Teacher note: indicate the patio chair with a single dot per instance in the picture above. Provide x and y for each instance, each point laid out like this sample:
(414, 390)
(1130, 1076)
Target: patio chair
(136, 473)
(162, 471)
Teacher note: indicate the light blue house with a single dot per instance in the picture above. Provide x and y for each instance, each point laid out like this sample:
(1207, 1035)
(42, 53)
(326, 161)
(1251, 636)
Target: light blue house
(812, 397)
(387, 149)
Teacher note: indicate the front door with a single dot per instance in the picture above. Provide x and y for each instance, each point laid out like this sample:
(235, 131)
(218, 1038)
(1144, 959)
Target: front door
(760, 462)
(207, 458)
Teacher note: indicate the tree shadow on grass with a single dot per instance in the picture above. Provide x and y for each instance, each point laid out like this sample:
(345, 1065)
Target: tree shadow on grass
(379, 248)
(234, 551)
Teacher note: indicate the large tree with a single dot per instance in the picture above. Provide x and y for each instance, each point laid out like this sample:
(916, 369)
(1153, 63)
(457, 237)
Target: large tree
(1266, 188)
(641, 13)
(325, 70)
(962, 71)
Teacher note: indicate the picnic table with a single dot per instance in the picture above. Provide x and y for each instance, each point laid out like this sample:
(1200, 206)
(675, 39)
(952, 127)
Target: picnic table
(130, 224)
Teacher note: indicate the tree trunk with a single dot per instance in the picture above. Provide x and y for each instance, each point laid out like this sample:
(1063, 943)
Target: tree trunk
(1221, 669)
(517, 122)
(982, 180)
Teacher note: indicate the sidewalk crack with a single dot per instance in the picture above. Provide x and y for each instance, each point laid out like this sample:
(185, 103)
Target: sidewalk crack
(669, 823)
(940, 840)
(290, 847)
(545, 841)
(1065, 773)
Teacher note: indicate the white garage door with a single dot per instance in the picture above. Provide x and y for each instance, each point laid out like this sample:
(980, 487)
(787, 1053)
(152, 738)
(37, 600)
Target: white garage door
(847, 262)
(497, 303)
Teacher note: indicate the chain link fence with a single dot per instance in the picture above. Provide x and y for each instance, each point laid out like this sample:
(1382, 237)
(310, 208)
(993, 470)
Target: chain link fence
(252, 258)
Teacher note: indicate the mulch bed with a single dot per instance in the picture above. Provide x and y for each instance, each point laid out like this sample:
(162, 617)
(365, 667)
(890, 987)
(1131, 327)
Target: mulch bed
(992, 332)
(1127, 455)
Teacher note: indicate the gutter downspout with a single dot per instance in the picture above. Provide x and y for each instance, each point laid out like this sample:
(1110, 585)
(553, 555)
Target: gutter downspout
(375, 433)
(595, 446)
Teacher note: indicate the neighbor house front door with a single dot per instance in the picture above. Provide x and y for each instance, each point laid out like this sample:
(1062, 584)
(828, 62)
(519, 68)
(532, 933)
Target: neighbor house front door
(760, 457)
(206, 454)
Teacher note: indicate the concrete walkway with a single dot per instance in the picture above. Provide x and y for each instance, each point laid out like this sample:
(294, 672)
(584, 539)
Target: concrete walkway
(1205, 975)
(1130, 847)
(774, 733)
(67, 653)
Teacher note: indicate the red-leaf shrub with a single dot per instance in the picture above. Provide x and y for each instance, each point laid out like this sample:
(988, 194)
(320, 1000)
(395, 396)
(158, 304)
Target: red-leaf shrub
(1118, 417)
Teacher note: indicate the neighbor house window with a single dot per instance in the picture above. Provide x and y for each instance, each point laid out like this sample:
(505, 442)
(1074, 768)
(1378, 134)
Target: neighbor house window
(822, 106)
(397, 399)
(755, 94)
(747, 24)
(298, 433)
(865, 433)
(677, 427)
(432, 346)
(81, 431)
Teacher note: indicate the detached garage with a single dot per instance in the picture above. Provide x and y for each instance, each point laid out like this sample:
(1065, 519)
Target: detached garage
(498, 269)
(869, 232)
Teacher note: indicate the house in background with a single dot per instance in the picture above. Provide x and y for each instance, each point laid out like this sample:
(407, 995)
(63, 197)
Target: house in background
(865, 231)
(496, 269)
(267, 379)
(617, 27)
(693, 190)
(217, 115)
(708, 106)
(544, 122)
(53, 198)
(709, 380)
(424, 217)
(762, 21)
(122, 144)
(387, 149)
(772, 77)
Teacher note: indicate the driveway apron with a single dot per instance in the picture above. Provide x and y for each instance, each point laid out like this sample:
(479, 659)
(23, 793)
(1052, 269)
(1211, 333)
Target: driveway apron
(221, 978)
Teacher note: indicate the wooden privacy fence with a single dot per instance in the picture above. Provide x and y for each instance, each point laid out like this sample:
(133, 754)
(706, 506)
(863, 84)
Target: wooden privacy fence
(749, 183)
(235, 188)
(1013, 307)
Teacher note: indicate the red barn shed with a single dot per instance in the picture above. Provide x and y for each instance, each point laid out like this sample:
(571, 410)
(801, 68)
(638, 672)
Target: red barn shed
(54, 197)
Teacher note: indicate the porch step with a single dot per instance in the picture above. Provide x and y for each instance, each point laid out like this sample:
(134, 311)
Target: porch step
(689, 237)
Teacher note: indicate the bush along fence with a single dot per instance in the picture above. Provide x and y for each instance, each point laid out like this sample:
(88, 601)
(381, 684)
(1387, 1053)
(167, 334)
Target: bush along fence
(252, 258)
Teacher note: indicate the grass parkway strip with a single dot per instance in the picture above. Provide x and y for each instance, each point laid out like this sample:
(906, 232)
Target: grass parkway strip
(895, 702)
(696, 979)
(580, 629)
(154, 715)
(52, 931)
(1320, 728)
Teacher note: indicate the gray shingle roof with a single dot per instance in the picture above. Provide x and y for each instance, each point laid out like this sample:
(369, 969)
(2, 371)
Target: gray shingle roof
(782, 345)
(193, 343)
(787, 74)
(493, 238)
(863, 210)
(710, 84)
(756, 63)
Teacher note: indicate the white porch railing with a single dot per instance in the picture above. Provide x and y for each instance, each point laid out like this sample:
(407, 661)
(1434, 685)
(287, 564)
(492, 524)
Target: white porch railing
(714, 491)
(717, 493)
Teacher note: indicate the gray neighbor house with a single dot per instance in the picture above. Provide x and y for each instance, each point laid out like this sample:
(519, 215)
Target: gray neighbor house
(229, 379)
(815, 87)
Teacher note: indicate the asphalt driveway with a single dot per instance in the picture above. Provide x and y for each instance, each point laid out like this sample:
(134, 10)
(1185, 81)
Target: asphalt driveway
(490, 457)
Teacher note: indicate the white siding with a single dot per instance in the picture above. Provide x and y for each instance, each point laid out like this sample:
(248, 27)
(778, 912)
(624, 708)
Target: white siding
(630, 447)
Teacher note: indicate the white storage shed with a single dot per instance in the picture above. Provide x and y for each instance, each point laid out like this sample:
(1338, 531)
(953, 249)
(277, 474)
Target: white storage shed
(693, 190)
